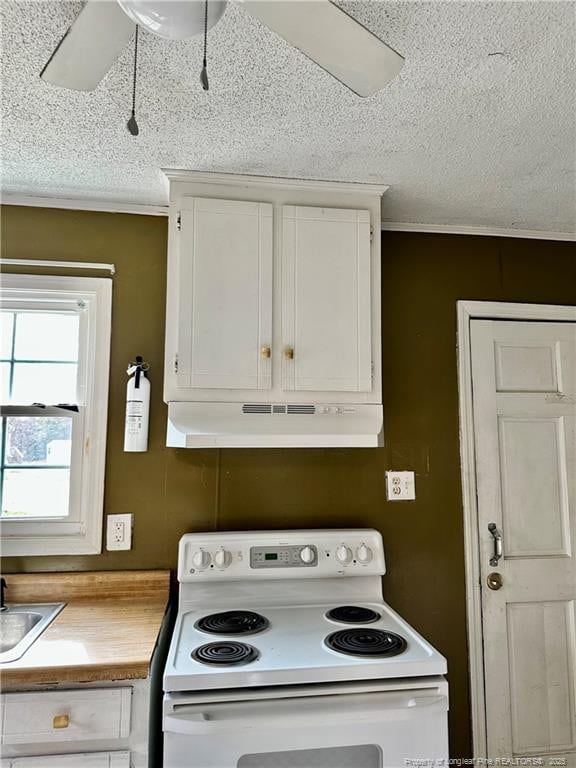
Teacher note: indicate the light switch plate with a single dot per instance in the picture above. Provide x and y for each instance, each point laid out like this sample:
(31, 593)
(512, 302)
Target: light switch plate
(400, 486)
(118, 532)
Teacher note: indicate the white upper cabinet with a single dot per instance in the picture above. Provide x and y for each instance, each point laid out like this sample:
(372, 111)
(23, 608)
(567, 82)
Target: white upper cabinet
(326, 302)
(225, 295)
(273, 309)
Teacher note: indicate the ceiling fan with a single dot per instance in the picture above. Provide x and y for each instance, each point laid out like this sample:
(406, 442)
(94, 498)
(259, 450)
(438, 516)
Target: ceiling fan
(322, 31)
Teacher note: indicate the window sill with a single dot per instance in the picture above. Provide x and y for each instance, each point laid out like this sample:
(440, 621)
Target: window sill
(78, 544)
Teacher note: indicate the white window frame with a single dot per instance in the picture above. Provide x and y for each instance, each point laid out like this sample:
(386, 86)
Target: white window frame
(81, 532)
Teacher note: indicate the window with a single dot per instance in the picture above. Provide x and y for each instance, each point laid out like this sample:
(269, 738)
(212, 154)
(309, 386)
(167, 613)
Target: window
(54, 364)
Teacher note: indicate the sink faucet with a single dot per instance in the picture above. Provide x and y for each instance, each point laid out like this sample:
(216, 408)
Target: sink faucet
(2, 588)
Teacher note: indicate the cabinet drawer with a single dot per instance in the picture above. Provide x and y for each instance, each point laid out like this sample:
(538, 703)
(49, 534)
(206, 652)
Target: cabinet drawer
(58, 716)
(84, 760)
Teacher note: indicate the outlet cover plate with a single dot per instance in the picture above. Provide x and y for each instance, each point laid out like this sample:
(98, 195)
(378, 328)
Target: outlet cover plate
(118, 532)
(400, 486)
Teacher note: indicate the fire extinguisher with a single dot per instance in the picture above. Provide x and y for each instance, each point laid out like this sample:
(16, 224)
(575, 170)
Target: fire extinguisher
(137, 407)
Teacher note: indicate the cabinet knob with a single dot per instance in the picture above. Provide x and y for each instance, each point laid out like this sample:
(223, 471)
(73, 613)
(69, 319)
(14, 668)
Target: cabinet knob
(289, 353)
(265, 351)
(60, 721)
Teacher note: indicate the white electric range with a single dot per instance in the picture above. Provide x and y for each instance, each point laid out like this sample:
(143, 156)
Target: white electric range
(285, 654)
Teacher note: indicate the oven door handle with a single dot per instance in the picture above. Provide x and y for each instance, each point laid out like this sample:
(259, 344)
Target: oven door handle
(226, 718)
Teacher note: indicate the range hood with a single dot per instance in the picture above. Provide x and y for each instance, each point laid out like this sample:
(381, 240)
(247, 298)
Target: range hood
(273, 425)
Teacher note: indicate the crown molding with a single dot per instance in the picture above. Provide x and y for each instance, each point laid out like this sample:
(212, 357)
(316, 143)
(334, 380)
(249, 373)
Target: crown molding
(84, 204)
(204, 177)
(457, 229)
(112, 206)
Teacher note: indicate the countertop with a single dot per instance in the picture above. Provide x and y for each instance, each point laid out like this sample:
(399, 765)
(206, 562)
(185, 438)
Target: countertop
(106, 631)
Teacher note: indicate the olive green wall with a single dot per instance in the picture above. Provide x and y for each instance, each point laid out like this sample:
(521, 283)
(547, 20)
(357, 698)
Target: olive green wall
(173, 491)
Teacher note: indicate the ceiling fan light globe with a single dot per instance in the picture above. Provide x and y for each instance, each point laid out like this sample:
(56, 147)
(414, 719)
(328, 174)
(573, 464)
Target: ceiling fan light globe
(173, 19)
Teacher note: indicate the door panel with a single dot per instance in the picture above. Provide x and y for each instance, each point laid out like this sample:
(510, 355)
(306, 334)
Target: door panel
(326, 305)
(535, 506)
(541, 667)
(225, 295)
(524, 387)
(527, 367)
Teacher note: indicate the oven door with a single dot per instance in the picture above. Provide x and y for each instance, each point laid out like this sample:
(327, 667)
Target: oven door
(360, 730)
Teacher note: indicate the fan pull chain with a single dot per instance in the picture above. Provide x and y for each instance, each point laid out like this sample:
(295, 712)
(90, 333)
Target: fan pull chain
(204, 72)
(132, 125)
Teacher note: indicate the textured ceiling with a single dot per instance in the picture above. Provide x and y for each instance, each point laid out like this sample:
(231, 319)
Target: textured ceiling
(479, 129)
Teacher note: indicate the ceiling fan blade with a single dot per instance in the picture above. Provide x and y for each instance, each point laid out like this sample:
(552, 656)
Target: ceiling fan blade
(333, 39)
(89, 47)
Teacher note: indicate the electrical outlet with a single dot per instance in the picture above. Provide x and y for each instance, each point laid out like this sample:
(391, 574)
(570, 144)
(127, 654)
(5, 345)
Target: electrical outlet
(118, 532)
(400, 486)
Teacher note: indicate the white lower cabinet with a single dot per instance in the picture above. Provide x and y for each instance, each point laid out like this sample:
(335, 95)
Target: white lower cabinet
(53, 716)
(78, 760)
(80, 727)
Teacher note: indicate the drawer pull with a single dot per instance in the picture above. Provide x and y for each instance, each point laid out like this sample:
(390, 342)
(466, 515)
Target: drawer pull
(61, 721)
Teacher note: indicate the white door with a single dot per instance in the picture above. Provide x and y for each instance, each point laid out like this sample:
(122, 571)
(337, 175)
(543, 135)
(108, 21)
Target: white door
(524, 399)
(326, 307)
(225, 295)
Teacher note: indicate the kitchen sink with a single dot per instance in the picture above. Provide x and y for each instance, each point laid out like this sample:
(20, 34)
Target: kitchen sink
(21, 625)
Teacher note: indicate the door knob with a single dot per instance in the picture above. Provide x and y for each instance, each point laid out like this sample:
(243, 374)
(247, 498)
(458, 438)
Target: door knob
(494, 580)
(497, 536)
(289, 353)
(265, 351)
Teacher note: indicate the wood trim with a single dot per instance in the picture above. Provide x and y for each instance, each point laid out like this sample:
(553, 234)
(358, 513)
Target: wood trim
(471, 542)
(501, 310)
(84, 204)
(467, 311)
(51, 264)
(92, 585)
(464, 229)
(235, 179)
(142, 209)
(16, 679)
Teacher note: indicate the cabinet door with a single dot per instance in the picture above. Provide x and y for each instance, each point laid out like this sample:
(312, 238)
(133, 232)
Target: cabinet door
(326, 306)
(225, 295)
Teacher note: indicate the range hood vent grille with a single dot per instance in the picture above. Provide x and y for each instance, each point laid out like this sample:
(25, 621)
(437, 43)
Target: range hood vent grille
(256, 408)
(306, 409)
(265, 408)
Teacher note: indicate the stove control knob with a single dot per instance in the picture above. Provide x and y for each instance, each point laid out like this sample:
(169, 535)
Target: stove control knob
(364, 554)
(344, 554)
(307, 555)
(201, 559)
(223, 558)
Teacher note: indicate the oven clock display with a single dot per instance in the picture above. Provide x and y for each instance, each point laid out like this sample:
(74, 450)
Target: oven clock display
(299, 556)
